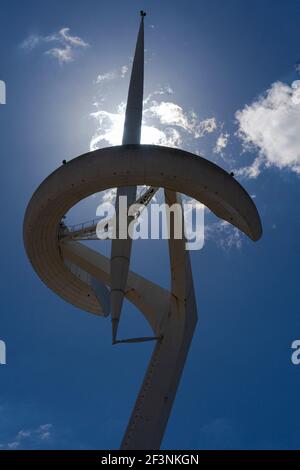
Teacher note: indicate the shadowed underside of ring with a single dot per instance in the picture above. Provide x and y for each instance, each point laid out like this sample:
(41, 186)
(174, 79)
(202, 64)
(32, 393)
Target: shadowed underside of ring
(126, 165)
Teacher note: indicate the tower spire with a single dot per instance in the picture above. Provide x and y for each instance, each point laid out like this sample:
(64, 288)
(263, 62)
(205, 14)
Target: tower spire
(134, 107)
(121, 249)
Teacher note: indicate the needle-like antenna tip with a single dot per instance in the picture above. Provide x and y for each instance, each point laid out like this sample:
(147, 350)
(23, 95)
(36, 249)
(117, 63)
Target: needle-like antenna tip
(143, 13)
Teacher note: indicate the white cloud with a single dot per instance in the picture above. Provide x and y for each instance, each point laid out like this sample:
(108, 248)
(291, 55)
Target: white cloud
(124, 70)
(106, 76)
(30, 438)
(166, 90)
(168, 137)
(44, 431)
(271, 125)
(64, 52)
(110, 129)
(30, 42)
(225, 235)
(13, 445)
(171, 114)
(74, 40)
(252, 171)
(112, 75)
(221, 143)
(164, 123)
(63, 55)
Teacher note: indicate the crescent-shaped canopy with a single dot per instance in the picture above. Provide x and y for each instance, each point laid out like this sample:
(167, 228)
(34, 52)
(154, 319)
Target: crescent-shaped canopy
(124, 165)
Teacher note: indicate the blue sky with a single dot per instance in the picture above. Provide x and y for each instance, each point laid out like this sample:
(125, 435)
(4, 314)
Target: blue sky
(223, 77)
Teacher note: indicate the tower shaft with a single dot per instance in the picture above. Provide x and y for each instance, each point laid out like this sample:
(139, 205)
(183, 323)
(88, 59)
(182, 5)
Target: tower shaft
(121, 249)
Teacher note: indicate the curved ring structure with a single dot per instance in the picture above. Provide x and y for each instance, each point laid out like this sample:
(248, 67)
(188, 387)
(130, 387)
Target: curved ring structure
(128, 165)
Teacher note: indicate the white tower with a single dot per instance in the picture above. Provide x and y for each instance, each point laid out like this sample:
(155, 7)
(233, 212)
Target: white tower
(98, 285)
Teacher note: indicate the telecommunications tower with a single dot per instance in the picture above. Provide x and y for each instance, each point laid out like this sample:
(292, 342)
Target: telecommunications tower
(97, 284)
